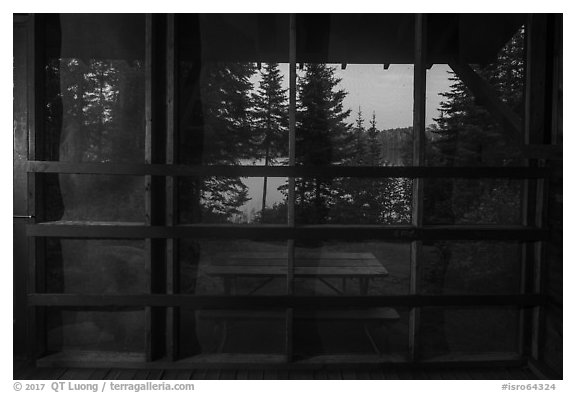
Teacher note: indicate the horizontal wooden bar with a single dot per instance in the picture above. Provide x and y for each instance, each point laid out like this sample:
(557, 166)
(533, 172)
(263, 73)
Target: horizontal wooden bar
(493, 359)
(97, 168)
(86, 359)
(276, 302)
(279, 232)
(100, 359)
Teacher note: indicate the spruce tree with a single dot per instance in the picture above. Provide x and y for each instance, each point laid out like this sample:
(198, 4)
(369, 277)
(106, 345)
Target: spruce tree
(359, 149)
(374, 200)
(270, 121)
(466, 131)
(465, 135)
(215, 128)
(374, 148)
(323, 138)
(226, 102)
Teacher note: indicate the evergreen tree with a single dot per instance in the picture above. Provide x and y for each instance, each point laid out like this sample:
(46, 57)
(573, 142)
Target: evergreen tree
(372, 200)
(466, 131)
(349, 197)
(465, 134)
(215, 130)
(270, 121)
(374, 150)
(270, 116)
(359, 149)
(225, 136)
(323, 138)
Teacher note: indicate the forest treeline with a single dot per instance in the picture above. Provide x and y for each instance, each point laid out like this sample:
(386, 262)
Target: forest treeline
(95, 112)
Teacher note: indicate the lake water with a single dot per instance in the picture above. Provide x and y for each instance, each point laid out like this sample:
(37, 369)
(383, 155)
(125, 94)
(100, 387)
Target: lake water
(255, 191)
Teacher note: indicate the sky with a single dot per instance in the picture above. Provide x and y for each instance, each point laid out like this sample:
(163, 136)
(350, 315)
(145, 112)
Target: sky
(387, 93)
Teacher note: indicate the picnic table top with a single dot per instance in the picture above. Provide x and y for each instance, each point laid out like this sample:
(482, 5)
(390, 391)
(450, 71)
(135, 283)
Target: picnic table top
(335, 264)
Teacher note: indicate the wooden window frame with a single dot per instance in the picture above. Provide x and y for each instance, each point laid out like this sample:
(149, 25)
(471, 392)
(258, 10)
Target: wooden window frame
(162, 232)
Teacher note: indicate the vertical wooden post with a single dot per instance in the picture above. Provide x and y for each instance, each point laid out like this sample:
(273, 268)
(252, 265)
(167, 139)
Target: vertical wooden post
(291, 183)
(536, 121)
(148, 182)
(172, 264)
(418, 160)
(36, 246)
(20, 182)
(292, 130)
(155, 267)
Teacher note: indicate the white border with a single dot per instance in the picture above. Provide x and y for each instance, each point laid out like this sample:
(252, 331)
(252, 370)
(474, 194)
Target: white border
(8, 7)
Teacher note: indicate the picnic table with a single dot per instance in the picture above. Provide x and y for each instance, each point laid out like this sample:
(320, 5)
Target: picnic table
(320, 266)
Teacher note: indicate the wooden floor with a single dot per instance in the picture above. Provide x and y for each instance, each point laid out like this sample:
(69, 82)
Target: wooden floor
(24, 370)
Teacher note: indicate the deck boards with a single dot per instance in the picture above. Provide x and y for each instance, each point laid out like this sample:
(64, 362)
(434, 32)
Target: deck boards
(213, 374)
(79, 373)
(401, 372)
(229, 374)
(362, 374)
(155, 374)
(199, 374)
(141, 374)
